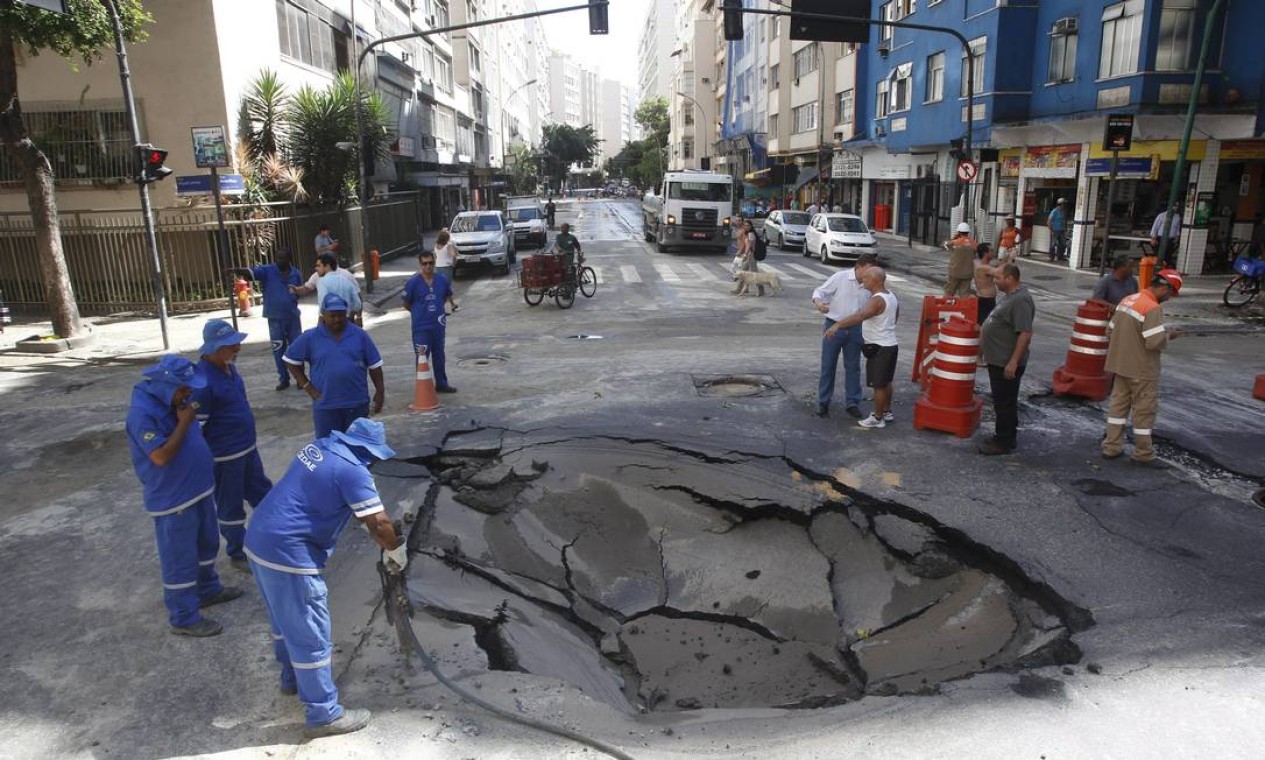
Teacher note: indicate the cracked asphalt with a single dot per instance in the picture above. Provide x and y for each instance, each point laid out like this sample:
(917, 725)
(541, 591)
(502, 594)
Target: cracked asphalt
(1165, 564)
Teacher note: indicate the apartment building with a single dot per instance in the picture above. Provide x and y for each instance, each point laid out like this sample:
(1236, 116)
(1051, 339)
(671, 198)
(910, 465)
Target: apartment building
(654, 51)
(692, 104)
(565, 90)
(616, 126)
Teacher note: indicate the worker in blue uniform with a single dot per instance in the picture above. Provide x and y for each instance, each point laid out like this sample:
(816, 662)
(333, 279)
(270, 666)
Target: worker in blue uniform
(291, 536)
(339, 354)
(425, 296)
(281, 305)
(228, 425)
(175, 467)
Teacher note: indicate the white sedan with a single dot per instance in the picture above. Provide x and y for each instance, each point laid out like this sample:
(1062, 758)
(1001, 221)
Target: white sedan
(785, 229)
(838, 237)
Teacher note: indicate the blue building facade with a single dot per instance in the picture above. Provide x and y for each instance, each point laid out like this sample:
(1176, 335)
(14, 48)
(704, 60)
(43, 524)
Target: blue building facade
(1048, 73)
(744, 112)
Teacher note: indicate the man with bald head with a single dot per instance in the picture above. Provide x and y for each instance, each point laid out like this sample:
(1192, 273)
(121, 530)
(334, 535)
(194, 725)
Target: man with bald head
(878, 342)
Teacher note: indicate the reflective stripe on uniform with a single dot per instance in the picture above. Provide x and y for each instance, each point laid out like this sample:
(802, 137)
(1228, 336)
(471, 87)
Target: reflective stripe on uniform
(283, 568)
(1153, 331)
(1116, 420)
(375, 365)
(186, 505)
(310, 665)
(178, 586)
(1130, 312)
(288, 360)
(278, 637)
(206, 563)
(232, 522)
(238, 455)
(1141, 431)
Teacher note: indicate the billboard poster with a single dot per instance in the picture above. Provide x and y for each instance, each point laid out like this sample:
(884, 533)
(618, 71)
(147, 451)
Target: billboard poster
(210, 149)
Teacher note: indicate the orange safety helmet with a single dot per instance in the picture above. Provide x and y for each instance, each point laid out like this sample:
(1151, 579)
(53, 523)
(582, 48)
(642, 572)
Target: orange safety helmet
(1173, 278)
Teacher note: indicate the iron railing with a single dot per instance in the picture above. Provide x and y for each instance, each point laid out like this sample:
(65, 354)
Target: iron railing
(109, 264)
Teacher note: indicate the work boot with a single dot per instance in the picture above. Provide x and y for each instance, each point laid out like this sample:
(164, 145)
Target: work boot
(446, 389)
(227, 594)
(992, 447)
(349, 721)
(240, 563)
(823, 410)
(199, 630)
(283, 385)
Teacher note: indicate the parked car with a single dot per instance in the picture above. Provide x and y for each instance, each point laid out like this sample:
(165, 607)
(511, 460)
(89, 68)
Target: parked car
(838, 237)
(482, 238)
(785, 229)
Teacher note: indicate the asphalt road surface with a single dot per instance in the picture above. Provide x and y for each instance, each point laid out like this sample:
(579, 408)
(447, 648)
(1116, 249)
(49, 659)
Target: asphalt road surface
(649, 459)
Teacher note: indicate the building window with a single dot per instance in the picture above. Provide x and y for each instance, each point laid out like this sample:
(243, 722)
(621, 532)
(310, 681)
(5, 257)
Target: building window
(441, 15)
(476, 62)
(844, 108)
(81, 144)
(904, 8)
(935, 78)
(886, 12)
(804, 118)
(1176, 37)
(902, 83)
(881, 103)
(443, 73)
(310, 39)
(775, 29)
(774, 71)
(687, 148)
(772, 125)
(1121, 36)
(978, 49)
(806, 61)
(1062, 57)
(688, 116)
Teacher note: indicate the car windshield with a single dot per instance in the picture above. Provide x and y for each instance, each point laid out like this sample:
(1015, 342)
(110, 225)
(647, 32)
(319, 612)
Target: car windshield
(791, 217)
(847, 224)
(476, 223)
(524, 214)
(700, 191)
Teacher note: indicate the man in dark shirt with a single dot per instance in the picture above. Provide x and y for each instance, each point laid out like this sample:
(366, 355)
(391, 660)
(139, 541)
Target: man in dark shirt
(1005, 338)
(550, 211)
(1116, 284)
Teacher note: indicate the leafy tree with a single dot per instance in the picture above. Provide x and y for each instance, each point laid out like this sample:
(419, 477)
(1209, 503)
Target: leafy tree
(79, 35)
(525, 169)
(318, 120)
(652, 116)
(564, 145)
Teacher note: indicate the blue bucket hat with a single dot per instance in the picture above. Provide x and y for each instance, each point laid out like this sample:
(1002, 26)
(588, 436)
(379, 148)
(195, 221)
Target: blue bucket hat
(176, 371)
(368, 434)
(334, 302)
(217, 334)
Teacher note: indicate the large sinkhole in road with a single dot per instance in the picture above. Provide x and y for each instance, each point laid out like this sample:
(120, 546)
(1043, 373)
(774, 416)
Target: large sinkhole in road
(656, 577)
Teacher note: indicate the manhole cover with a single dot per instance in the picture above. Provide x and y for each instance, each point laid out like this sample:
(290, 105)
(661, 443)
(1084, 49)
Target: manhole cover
(481, 361)
(706, 580)
(737, 386)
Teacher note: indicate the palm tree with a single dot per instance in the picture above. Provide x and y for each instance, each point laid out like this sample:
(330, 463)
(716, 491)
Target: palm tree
(318, 121)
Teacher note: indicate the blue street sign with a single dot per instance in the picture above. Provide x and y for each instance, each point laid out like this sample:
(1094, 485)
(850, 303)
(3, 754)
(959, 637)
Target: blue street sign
(200, 184)
(1133, 166)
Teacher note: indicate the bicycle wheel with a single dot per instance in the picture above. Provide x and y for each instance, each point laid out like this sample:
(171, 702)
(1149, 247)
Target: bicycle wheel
(1240, 291)
(588, 281)
(533, 296)
(565, 297)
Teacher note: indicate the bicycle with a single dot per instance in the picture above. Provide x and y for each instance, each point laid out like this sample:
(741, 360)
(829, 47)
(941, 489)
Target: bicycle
(1244, 288)
(545, 275)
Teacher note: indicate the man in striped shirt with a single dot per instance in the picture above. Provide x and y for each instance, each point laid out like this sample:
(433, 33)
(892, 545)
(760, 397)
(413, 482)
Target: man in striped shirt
(1138, 335)
(291, 536)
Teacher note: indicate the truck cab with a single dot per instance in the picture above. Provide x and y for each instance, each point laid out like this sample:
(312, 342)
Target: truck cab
(690, 209)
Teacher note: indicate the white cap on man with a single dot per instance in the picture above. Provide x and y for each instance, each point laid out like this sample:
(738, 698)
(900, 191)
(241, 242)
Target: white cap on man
(964, 227)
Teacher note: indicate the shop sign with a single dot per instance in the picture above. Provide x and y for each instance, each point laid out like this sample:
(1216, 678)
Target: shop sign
(1130, 167)
(845, 165)
(1204, 202)
(1165, 149)
(1119, 132)
(1052, 157)
(1010, 161)
(894, 172)
(1242, 150)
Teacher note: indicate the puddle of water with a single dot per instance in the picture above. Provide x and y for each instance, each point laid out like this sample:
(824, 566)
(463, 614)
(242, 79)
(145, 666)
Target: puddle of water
(654, 579)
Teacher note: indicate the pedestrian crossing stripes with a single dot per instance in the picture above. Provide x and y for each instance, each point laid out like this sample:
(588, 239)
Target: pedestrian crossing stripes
(703, 273)
(667, 273)
(629, 273)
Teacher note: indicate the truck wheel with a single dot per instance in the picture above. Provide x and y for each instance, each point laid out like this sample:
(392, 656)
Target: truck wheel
(660, 247)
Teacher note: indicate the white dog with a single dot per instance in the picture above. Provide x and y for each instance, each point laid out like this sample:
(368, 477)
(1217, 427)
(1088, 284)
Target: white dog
(769, 279)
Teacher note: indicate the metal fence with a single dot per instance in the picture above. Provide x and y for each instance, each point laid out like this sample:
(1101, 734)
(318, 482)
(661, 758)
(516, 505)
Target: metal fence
(110, 267)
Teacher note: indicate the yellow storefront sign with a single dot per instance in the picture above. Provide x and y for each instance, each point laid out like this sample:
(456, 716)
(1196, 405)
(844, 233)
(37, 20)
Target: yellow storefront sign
(1242, 150)
(1166, 150)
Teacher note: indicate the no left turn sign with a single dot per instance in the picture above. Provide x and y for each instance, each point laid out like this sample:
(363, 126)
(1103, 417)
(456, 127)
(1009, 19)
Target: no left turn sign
(967, 171)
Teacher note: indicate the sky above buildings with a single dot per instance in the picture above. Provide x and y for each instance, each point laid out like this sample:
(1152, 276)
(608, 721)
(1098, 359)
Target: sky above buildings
(614, 54)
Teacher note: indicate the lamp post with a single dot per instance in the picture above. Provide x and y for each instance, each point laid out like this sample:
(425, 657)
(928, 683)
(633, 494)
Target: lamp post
(701, 110)
(504, 145)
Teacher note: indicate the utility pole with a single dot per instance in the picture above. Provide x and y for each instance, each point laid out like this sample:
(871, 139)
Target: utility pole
(1179, 180)
(147, 215)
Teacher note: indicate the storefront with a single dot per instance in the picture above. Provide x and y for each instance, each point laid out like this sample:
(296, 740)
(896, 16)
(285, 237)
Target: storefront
(1236, 202)
(1046, 173)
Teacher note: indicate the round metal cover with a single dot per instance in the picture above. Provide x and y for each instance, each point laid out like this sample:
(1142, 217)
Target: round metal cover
(480, 361)
(734, 387)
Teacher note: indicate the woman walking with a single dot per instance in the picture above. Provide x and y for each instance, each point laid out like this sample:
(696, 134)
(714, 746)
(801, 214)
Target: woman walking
(445, 254)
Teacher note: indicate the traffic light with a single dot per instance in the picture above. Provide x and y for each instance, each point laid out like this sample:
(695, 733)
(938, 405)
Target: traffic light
(152, 160)
(733, 19)
(599, 21)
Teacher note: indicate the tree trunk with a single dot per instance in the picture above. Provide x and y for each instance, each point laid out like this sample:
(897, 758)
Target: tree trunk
(37, 175)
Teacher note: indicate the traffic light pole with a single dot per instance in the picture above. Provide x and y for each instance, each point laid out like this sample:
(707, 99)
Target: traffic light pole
(363, 185)
(221, 244)
(147, 214)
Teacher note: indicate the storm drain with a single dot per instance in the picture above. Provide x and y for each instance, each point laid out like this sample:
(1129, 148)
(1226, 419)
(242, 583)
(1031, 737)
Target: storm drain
(737, 386)
(477, 362)
(653, 577)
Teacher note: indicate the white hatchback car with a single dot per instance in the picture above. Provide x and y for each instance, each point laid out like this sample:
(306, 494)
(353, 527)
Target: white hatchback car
(785, 229)
(838, 237)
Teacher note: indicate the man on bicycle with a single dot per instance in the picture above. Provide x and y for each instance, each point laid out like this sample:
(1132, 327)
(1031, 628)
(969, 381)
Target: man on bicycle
(568, 246)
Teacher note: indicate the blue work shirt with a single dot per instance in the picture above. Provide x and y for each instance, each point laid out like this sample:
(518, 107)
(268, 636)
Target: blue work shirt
(1056, 221)
(426, 302)
(228, 424)
(342, 285)
(278, 301)
(338, 366)
(295, 527)
(190, 475)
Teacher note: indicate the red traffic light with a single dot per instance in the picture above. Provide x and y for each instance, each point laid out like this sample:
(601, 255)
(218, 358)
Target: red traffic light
(152, 160)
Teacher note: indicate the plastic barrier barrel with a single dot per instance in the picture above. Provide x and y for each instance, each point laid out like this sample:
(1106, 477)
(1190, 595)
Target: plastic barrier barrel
(950, 404)
(1084, 372)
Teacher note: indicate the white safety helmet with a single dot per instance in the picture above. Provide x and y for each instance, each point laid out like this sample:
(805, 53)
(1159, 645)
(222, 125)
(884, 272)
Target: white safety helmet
(964, 227)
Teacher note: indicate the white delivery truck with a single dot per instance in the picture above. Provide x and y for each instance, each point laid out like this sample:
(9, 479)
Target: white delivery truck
(527, 216)
(689, 209)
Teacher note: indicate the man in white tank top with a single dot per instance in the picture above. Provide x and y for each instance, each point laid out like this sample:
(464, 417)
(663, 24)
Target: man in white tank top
(878, 343)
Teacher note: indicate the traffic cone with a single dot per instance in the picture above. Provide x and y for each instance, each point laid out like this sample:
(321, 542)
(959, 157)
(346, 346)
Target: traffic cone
(424, 397)
(1259, 389)
(1084, 373)
(950, 403)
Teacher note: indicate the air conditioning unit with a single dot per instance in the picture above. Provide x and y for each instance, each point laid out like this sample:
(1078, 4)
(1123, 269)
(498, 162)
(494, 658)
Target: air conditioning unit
(883, 50)
(1068, 25)
(880, 128)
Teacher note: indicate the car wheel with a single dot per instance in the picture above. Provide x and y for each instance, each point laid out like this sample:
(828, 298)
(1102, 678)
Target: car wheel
(825, 257)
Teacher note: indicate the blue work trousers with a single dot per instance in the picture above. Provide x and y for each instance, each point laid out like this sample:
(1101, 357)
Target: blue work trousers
(238, 480)
(298, 608)
(187, 546)
(847, 342)
(283, 331)
(326, 421)
(433, 339)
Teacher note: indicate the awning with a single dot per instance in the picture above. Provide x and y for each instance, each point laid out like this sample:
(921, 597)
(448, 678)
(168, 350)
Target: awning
(806, 174)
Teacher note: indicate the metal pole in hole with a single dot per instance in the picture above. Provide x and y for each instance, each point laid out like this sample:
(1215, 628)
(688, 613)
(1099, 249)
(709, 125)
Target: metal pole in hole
(221, 244)
(1111, 200)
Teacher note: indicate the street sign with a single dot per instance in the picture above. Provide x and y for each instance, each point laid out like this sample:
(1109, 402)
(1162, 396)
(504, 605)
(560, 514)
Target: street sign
(845, 165)
(200, 184)
(967, 171)
(1119, 132)
(209, 147)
